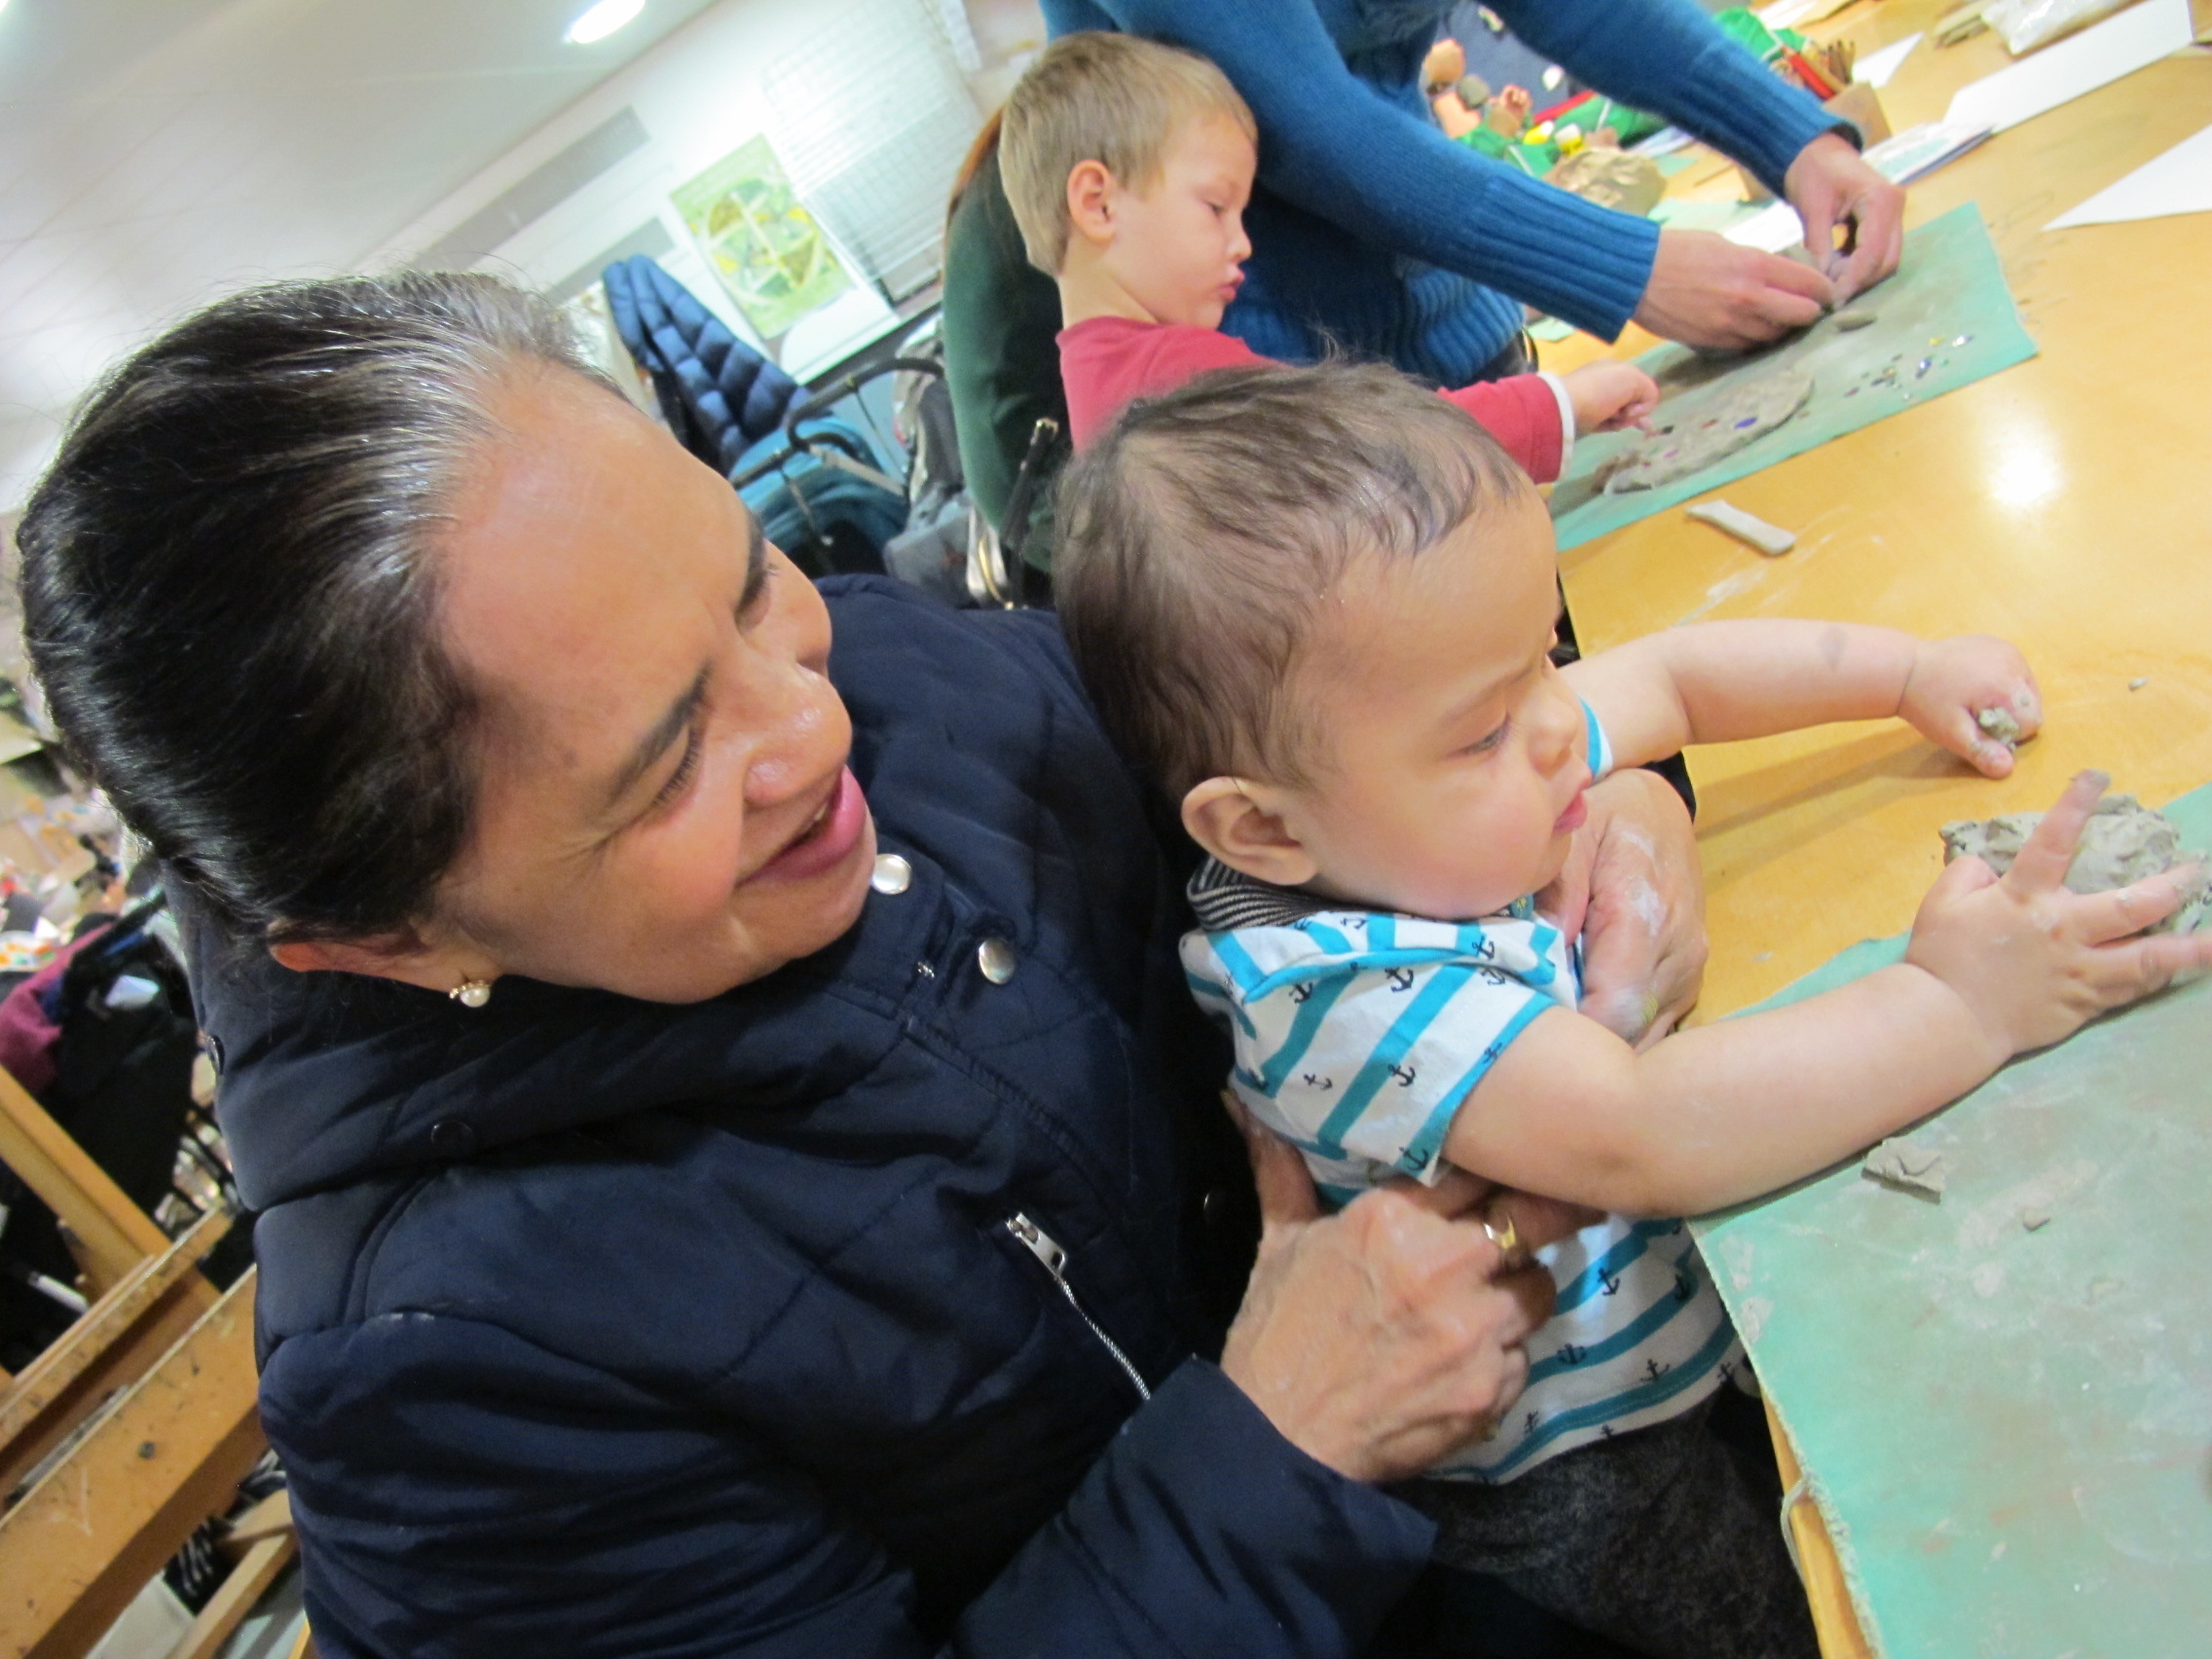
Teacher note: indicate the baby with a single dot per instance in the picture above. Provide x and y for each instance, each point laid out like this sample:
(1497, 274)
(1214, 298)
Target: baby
(1317, 605)
(1127, 164)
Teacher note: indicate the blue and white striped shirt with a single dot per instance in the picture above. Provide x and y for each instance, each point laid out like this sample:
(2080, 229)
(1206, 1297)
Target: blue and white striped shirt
(1359, 1034)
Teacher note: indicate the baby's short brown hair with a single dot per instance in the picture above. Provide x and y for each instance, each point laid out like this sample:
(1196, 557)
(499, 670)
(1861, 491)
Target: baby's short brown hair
(1111, 98)
(1199, 537)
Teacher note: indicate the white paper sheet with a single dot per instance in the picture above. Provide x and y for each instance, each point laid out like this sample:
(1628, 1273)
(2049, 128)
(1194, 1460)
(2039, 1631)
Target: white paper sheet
(2180, 181)
(1876, 68)
(2058, 74)
(1770, 230)
(1905, 156)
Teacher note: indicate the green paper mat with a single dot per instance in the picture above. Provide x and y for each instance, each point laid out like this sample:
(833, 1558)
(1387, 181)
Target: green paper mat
(1947, 308)
(2011, 1431)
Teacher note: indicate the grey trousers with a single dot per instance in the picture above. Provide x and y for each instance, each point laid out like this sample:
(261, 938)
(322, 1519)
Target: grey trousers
(1666, 1539)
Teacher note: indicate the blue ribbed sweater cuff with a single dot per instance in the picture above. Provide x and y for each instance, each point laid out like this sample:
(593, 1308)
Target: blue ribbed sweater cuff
(1562, 255)
(1736, 105)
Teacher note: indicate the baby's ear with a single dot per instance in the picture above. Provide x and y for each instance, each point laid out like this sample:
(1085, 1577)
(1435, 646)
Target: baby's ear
(1240, 823)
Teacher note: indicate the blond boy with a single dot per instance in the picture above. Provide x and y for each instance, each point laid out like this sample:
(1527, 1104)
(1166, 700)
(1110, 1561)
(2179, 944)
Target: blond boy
(1129, 165)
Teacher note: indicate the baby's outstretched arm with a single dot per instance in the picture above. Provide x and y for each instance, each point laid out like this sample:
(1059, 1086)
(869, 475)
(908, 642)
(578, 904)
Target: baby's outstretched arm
(1719, 682)
(1724, 1113)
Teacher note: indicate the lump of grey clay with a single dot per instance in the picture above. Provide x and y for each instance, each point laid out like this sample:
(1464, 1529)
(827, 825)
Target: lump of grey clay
(1851, 320)
(1690, 444)
(2000, 724)
(1900, 1161)
(2122, 843)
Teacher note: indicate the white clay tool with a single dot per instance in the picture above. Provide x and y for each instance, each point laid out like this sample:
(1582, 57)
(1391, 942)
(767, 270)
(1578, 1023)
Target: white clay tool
(1770, 540)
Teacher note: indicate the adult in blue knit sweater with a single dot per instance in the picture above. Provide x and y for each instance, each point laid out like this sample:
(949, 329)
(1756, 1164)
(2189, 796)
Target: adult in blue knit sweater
(1372, 228)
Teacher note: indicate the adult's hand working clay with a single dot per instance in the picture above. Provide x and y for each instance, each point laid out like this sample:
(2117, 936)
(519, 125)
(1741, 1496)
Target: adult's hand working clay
(1705, 290)
(1634, 887)
(1389, 1335)
(1830, 184)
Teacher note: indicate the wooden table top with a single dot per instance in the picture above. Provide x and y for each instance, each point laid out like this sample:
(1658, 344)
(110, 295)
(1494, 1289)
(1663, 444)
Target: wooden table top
(2065, 504)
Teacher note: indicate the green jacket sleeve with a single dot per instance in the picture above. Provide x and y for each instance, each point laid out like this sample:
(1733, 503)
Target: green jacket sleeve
(1002, 356)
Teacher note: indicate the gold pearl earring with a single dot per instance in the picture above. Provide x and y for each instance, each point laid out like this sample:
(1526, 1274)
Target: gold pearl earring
(471, 994)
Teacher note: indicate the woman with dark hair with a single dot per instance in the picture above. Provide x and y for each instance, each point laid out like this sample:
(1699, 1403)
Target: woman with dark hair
(737, 1170)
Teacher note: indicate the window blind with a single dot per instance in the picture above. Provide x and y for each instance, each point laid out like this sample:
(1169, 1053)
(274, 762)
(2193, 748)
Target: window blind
(870, 119)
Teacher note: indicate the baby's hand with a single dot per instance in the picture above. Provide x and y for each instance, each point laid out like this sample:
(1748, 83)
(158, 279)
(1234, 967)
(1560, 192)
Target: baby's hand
(1508, 112)
(1954, 680)
(1607, 395)
(2033, 962)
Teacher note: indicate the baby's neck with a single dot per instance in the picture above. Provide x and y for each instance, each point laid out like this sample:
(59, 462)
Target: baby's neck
(1321, 890)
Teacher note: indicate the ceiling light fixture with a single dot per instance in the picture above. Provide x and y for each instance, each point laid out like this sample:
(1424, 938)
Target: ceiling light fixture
(593, 23)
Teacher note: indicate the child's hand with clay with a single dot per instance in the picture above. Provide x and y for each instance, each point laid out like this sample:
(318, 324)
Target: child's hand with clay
(1507, 112)
(1953, 686)
(2032, 962)
(1609, 395)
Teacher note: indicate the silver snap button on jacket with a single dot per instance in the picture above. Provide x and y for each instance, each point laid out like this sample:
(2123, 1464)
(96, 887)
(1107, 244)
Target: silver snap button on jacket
(893, 875)
(996, 958)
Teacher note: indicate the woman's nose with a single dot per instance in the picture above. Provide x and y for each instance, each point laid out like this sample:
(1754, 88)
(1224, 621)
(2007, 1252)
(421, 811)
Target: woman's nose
(802, 733)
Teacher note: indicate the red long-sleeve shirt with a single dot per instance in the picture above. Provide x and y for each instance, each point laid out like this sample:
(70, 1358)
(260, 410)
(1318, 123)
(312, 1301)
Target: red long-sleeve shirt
(1107, 362)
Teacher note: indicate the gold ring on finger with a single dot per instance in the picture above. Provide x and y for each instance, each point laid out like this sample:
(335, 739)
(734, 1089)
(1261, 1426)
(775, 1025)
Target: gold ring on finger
(1498, 1228)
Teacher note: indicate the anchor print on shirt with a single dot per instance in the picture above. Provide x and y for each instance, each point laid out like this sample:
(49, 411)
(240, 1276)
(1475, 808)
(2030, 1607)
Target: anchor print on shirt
(1401, 978)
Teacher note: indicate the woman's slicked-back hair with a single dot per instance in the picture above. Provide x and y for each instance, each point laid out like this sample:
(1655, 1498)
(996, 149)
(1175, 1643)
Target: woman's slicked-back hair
(229, 590)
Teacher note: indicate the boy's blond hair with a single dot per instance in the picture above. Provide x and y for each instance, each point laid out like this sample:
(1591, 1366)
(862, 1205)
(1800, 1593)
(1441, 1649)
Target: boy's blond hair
(1110, 99)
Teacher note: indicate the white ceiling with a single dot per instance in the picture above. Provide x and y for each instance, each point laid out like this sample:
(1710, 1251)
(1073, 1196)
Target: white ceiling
(157, 153)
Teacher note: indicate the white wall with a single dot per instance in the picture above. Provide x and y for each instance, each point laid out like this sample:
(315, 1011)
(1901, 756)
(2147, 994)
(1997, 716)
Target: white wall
(699, 95)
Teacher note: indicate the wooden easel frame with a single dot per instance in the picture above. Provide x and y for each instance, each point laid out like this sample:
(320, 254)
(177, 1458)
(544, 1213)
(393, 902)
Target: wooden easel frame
(133, 1427)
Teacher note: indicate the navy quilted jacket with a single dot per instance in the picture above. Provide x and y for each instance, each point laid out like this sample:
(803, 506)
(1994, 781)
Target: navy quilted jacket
(598, 1327)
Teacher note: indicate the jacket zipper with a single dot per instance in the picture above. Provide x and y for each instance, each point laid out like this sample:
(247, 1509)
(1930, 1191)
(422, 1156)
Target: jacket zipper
(1040, 1244)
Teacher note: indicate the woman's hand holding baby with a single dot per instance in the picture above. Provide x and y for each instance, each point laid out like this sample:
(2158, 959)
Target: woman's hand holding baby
(1952, 681)
(1386, 1336)
(1635, 892)
(2032, 962)
(1607, 395)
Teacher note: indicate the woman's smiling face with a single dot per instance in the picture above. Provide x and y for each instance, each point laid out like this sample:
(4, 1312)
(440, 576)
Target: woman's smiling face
(663, 806)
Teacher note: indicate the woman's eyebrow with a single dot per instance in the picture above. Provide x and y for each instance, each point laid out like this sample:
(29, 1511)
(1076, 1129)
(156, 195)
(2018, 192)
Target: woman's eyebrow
(755, 562)
(656, 742)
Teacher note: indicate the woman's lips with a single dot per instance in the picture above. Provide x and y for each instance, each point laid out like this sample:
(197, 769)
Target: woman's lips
(827, 840)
